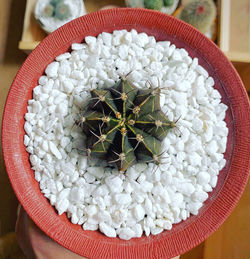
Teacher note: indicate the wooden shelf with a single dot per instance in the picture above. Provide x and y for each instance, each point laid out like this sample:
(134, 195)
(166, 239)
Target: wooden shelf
(32, 32)
(233, 36)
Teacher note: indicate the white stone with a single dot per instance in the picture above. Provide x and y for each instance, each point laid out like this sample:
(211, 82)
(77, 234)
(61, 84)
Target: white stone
(63, 56)
(140, 167)
(64, 141)
(197, 124)
(42, 80)
(200, 196)
(186, 188)
(107, 38)
(83, 162)
(132, 173)
(114, 183)
(96, 171)
(77, 46)
(122, 198)
(88, 226)
(68, 86)
(77, 194)
(202, 71)
(183, 86)
(194, 159)
(212, 147)
(107, 229)
(139, 212)
(26, 140)
(52, 69)
(126, 233)
(62, 206)
(28, 128)
(54, 150)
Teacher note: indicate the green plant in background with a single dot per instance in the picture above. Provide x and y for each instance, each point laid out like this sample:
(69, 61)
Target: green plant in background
(153, 4)
(62, 12)
(157, 4)
(200, 14)
(48, 10)
(124, 124)
(57, 9)
(55, 2)
(168, 3)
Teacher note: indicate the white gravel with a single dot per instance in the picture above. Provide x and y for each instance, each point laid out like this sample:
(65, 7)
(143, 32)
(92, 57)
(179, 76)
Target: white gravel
(146, 198)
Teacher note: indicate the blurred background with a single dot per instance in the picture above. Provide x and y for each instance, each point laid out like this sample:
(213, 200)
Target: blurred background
(228, 27)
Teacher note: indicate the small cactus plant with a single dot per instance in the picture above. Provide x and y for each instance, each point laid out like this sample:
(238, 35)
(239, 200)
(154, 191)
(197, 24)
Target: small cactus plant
(124, 124)
(200, 14)
(57, 9)
(48, 10)
(153, 4)
(62, 11)
(55, 2)
(168, 3)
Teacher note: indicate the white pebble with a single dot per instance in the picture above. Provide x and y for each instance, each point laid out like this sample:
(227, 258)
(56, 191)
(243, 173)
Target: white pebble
(203, 178)
(27, 128)
(186, 188)
(123, 199)
(139, 212)
(77, 46)
(107, 230)
(26, 140)
(62, 206)
(68, 86)
(96, 171)
(126, 233)
(54, 150)
(63, 56)
(52, 69)
(202, 71)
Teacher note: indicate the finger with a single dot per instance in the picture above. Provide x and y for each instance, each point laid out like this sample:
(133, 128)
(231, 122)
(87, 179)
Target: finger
(22, 234)
(39, 245)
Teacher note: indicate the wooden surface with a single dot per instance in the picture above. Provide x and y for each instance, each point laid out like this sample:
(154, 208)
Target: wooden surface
(11, 61)
(232, 235)
(4, 19)
(231, 241)
(234, 36)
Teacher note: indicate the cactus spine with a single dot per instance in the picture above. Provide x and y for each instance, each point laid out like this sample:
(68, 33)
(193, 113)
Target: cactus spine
(124, 124)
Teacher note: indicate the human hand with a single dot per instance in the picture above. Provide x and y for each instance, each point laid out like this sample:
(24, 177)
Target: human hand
(35, 244)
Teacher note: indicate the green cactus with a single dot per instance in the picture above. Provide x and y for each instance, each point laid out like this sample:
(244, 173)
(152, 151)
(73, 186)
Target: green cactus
(55, 2)
(200, 14)
(48, 10)
(153, 4)
(62, 11)
(168, 3)
(124, 124)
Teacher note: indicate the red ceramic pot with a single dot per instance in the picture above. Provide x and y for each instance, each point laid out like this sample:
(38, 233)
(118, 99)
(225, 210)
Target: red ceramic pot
(232, 179)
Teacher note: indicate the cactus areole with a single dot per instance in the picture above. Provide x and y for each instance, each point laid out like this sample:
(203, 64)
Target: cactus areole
(124, 124)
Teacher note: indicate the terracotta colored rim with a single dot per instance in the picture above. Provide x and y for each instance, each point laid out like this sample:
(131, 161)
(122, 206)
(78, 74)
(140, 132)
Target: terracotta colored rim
(232, 178)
